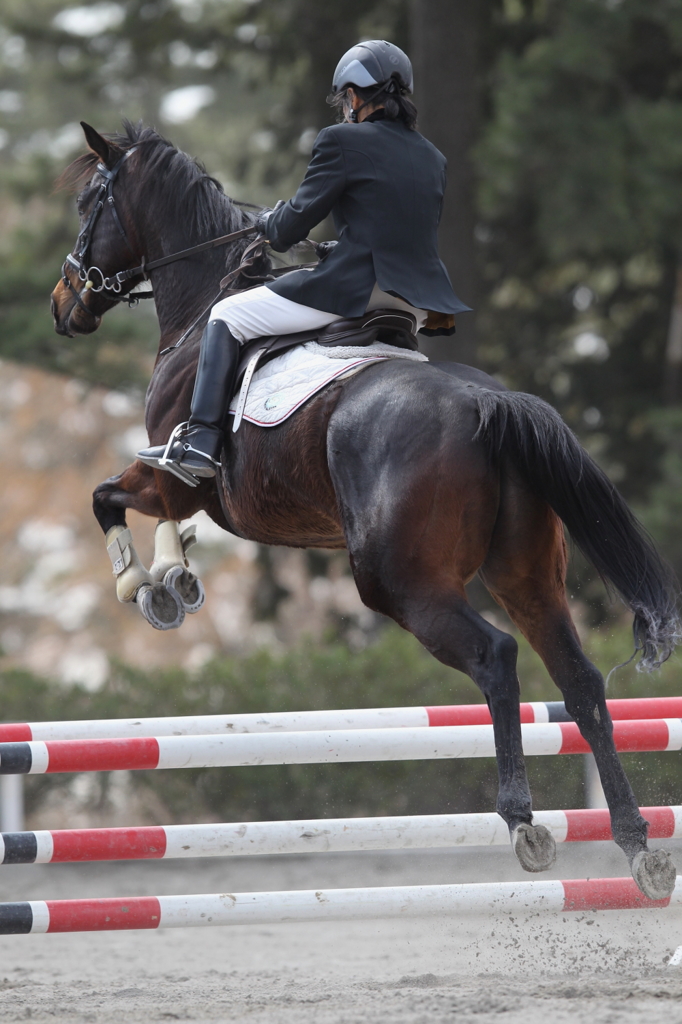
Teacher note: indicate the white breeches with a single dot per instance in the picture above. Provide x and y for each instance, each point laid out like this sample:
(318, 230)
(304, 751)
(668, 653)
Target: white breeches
(259, 312)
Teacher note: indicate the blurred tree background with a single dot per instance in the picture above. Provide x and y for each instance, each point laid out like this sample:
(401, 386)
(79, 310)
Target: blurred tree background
(562, 124)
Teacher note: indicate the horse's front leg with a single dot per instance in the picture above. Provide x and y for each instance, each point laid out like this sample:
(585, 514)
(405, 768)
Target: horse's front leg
(154, 591)
(171, 567)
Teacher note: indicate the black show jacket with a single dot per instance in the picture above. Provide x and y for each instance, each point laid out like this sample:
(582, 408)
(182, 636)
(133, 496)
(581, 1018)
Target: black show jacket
(383, 185)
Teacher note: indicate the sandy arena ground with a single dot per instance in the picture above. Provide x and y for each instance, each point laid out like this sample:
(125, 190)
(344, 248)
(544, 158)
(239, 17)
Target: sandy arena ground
(607, 967)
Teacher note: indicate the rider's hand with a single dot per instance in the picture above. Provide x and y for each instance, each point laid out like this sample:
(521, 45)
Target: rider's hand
(323, 249)
(261, 221)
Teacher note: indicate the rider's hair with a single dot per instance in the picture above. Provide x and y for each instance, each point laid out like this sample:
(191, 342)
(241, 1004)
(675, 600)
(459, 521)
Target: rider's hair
(397, 106)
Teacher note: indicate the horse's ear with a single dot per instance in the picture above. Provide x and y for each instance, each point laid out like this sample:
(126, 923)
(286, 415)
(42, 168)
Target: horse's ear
(106, 151)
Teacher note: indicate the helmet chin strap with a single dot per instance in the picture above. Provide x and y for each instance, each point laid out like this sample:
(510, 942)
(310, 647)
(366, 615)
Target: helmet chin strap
(389, 86)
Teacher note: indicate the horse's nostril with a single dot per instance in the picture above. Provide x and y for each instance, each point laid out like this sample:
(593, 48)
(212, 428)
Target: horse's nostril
(59, 326)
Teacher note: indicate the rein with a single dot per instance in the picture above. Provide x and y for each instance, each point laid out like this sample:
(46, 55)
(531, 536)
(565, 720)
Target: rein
(249, 257)
(143, 268)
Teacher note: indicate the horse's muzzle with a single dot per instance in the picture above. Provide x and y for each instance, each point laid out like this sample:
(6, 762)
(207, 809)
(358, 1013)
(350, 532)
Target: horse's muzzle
(59, 324)
(69, 319)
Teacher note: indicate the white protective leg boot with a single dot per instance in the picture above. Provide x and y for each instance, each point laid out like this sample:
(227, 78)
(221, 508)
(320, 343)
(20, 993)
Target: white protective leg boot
(171, 566)
(129, 571)
(160, 605)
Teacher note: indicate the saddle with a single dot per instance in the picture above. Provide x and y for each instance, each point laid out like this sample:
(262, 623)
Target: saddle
(389, 326)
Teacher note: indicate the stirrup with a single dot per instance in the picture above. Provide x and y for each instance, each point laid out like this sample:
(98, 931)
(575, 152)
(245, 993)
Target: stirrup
(182, 474)
(197, 451)
(176, 432)
(172, 464)
(176, 457)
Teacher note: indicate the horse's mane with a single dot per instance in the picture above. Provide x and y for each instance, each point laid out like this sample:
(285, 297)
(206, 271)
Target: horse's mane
(206, 209)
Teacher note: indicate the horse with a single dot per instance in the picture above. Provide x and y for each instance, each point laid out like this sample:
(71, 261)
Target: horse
(428, 474)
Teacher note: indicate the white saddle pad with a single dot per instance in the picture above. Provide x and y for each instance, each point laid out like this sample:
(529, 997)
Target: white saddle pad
(280, 387)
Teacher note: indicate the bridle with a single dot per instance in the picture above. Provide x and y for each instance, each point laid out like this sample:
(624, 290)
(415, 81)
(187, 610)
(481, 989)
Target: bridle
(111, 286)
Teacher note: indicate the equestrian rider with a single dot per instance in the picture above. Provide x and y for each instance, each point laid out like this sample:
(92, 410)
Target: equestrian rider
(383, 183)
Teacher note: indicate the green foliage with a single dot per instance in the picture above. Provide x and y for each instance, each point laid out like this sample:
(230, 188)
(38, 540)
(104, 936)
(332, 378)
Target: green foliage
(588, 121)
(395, 671)
(579, 170)
(306, 40)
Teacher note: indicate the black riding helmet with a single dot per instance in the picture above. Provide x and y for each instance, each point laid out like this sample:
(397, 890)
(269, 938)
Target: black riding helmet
(374, 62)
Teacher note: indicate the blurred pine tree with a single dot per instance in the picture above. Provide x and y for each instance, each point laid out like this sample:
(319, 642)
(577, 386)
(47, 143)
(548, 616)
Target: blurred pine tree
(581, 218)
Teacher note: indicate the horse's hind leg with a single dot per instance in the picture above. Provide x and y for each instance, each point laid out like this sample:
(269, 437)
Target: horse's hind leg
(419, 503)
(434, 608)
(458, 636)
(525, 571)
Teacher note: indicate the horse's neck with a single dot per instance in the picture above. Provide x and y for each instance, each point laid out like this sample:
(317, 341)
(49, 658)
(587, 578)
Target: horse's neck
(182, 290)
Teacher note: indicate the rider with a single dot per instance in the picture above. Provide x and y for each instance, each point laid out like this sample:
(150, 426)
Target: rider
(383, 183)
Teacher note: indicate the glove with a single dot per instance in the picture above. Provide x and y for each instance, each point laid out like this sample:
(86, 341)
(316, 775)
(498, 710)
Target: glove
(322, 249)
(261, 221)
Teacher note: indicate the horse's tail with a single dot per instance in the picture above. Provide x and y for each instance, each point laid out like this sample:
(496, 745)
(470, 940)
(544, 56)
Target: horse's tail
(557, 468)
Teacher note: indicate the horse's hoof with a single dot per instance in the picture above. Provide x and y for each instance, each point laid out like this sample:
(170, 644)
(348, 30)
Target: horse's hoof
(188, 586)
(161, 606)
(654, 873)
(534, 847)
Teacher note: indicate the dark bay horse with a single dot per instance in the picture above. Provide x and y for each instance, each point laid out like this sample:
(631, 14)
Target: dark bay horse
(426, 474)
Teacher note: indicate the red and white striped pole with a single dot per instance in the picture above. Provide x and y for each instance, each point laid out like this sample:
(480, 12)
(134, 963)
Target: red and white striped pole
(151, 912)
(327, 721)
(322, 835)
(351, 745)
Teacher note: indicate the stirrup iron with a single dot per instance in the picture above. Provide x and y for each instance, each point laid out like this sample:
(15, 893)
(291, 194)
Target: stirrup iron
(173, 465)
(182, 474)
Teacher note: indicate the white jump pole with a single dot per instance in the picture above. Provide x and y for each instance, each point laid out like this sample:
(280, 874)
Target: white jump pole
(594, 791)
(314, 721)
(151, 912)
(36, 757)
(316, 835)
(11, 803)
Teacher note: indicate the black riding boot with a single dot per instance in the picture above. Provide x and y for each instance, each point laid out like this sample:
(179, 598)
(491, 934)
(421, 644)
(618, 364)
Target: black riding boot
(195, 447)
